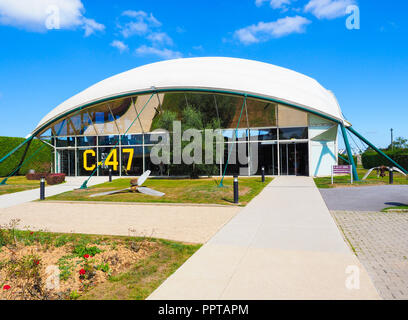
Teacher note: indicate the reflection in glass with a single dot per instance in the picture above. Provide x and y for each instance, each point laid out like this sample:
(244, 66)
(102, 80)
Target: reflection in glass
(86, 141)
(293, 133)
(240, 135)
(108, 140)
(109, 159)
(133, 139)
(291, 117)
(87, 159)
(66, 162)
(263, 134)
(267, 157)
(261, 113)
(65, 142)
(132, 161)
(157, 170)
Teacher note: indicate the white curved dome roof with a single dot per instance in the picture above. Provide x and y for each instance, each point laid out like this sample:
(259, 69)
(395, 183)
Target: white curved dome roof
(212, 73)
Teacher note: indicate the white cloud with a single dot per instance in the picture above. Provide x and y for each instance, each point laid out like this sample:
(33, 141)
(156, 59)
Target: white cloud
(141, 24)
(146, 26)
(91, 26)
(328, 9)
(162, 53)
(33, 15)
(120, 45)
(134, 28)
(264, 31)
(275, 4)
(134, 14)
(160, 38)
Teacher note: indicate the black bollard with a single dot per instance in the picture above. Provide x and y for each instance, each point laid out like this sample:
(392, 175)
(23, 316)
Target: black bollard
(263, 174)
(110, 175)
(391, 176)
(42, 189)
(236, 189)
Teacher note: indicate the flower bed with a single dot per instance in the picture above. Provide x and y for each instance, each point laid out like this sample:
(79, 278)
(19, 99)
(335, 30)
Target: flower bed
(46, 266)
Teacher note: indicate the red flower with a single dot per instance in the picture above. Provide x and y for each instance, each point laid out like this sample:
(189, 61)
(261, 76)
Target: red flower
(37, 262)
(31, 233)
(86, 256)
(6, 287)
(82, 272)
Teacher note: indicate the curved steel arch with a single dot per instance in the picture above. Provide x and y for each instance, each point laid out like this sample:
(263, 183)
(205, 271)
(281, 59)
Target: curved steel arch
(216, 91)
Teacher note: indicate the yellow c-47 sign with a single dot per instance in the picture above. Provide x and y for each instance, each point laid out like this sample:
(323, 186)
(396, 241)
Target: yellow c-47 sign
(111, 160)
(85, 156)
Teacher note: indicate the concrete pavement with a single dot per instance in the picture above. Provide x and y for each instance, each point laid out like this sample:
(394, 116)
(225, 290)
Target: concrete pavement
(187, 223)
(283, 245)
(13, 199)
(373, 198)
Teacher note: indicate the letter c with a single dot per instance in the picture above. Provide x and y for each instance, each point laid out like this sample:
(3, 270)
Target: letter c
(86, 153)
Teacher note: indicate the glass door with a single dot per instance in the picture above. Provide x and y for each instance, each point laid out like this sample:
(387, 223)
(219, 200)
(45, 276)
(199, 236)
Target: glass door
(294, 159)
(267, 157)
(283, 159)
(66, 162)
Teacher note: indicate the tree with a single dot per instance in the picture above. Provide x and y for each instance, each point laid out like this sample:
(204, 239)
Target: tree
(399, 143)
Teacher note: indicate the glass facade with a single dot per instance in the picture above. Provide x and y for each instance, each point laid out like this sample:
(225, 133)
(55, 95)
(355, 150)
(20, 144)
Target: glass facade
(118, 135)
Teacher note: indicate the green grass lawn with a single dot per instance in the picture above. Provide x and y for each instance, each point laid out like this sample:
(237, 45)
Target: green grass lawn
(16, 184)
(205, 191)
(403, 208)
(344, 181)
(146, 275)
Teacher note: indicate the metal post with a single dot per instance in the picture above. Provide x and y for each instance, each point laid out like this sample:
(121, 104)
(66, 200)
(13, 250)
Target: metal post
(263, 174)
(349, 153)
(392, 139)
(391, 176)
(42, 189)
(332, 178)
(236, 198)
(110, 175)
(351, 175)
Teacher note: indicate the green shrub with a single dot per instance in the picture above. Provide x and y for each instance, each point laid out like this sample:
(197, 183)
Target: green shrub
(372, 159)
(41, 162)
(36, 176)
(81, 250)
(56, 178)
(342, 162)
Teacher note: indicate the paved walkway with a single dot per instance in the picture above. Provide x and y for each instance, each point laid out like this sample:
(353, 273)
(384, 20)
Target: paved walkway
(13, 199)
(373, 198)
(188, 223)
(283, 245)
(380, 241)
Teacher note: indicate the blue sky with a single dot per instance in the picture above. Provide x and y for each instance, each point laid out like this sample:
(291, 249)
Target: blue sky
(366, 69)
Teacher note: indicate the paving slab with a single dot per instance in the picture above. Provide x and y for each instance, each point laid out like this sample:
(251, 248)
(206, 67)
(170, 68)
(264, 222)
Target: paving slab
(283, 245)
(380, 241)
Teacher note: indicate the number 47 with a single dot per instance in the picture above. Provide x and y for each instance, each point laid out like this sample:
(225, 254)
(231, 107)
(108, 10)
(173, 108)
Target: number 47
(112, 159)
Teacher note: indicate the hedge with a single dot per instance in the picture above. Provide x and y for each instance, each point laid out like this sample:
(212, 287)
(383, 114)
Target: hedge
(372, 159)
(56, 178)
(345, 156)
(41, 162)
